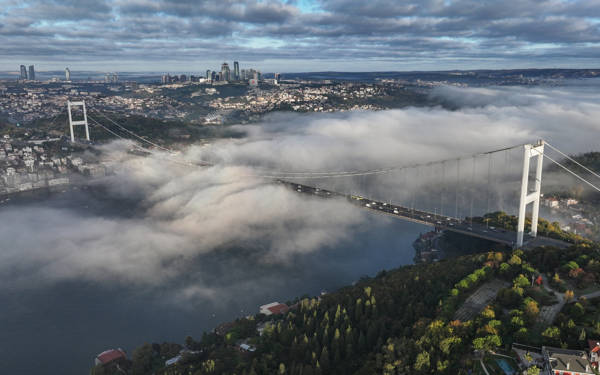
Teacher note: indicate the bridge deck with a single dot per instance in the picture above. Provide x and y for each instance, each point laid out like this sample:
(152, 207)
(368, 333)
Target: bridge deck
(441, 222)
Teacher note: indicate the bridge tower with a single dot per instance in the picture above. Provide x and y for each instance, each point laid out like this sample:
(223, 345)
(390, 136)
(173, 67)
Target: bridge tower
(529, 152)
(80, 122)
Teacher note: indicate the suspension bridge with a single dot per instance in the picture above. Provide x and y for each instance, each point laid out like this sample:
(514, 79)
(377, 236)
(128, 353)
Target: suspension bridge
(442, 201)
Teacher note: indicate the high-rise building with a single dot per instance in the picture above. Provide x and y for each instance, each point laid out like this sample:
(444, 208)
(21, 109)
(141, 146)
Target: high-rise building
(23, 72)
(225, 72)
(213, 76)
(182, 78)
(111, 78)
(165, 79)
(236, 71)
(67, 74)
(243, 75)
(208, 74)
(31, 73)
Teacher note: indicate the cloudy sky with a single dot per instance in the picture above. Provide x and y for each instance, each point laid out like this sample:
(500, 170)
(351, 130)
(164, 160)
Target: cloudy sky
(298, 35)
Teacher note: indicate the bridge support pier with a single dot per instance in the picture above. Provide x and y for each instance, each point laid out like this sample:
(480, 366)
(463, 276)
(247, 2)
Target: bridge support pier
(529, 152)
(80, 122)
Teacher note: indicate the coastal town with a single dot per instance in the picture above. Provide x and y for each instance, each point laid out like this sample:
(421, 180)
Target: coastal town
(28, 164)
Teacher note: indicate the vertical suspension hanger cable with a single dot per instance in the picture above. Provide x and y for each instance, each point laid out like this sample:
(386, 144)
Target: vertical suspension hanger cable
(414, 188)
(457, 187)
(489, 185)
(472, 191)
(443, 185)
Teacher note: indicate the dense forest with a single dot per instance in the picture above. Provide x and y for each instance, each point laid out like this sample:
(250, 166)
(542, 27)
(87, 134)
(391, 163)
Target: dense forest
(401, 321)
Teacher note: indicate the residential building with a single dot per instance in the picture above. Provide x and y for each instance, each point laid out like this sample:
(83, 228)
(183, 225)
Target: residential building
(274, 308)
(566, 362)
(109, 356)
(551, 202)
(594, 348)
(571, 201)
(247, 348)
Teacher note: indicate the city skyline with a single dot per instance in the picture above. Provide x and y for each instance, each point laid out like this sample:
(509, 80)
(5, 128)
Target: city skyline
(295, 36)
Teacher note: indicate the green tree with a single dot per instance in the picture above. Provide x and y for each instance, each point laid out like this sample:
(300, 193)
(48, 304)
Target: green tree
(489, 342)
(521, 281)
(324, 359)
(514, 260)
(141, 359)
(422, 361)
(582, 335)
(553, 334)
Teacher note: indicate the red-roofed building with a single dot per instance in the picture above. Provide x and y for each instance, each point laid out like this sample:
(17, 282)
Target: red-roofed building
(109, 356)
(594, 347)
(282, 308)
(274, 308)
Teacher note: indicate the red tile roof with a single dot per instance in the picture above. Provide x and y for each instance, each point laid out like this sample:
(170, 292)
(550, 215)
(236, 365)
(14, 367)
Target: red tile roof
(110, 355)
(279, 309)
(594, 345)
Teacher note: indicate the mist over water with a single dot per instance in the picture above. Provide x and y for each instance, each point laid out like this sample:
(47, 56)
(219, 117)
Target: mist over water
(84, 317)
(163, 250)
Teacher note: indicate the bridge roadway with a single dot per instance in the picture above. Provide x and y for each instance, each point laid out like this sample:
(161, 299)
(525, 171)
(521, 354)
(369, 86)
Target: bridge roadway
(438, 221)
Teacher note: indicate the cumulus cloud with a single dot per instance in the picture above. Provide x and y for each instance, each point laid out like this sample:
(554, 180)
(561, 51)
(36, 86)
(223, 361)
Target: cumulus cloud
(331, 33)
(180, 214)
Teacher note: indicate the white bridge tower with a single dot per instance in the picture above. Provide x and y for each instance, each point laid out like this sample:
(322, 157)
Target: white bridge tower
(80, 122)
(530, 152)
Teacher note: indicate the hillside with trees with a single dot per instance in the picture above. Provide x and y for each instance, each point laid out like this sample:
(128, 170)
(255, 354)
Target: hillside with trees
(402, 321)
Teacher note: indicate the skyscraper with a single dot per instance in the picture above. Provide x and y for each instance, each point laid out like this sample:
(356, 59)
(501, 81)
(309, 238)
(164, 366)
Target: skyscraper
(31, 73)
(225, 72)
(208, 74)
(236, 71)
(67, 74)
(23, 72)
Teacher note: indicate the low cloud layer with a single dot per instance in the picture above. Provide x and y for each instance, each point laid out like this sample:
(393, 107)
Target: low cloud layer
(183, 214)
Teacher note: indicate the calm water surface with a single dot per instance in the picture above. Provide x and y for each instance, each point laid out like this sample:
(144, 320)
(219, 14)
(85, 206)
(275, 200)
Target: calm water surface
(59, 328)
